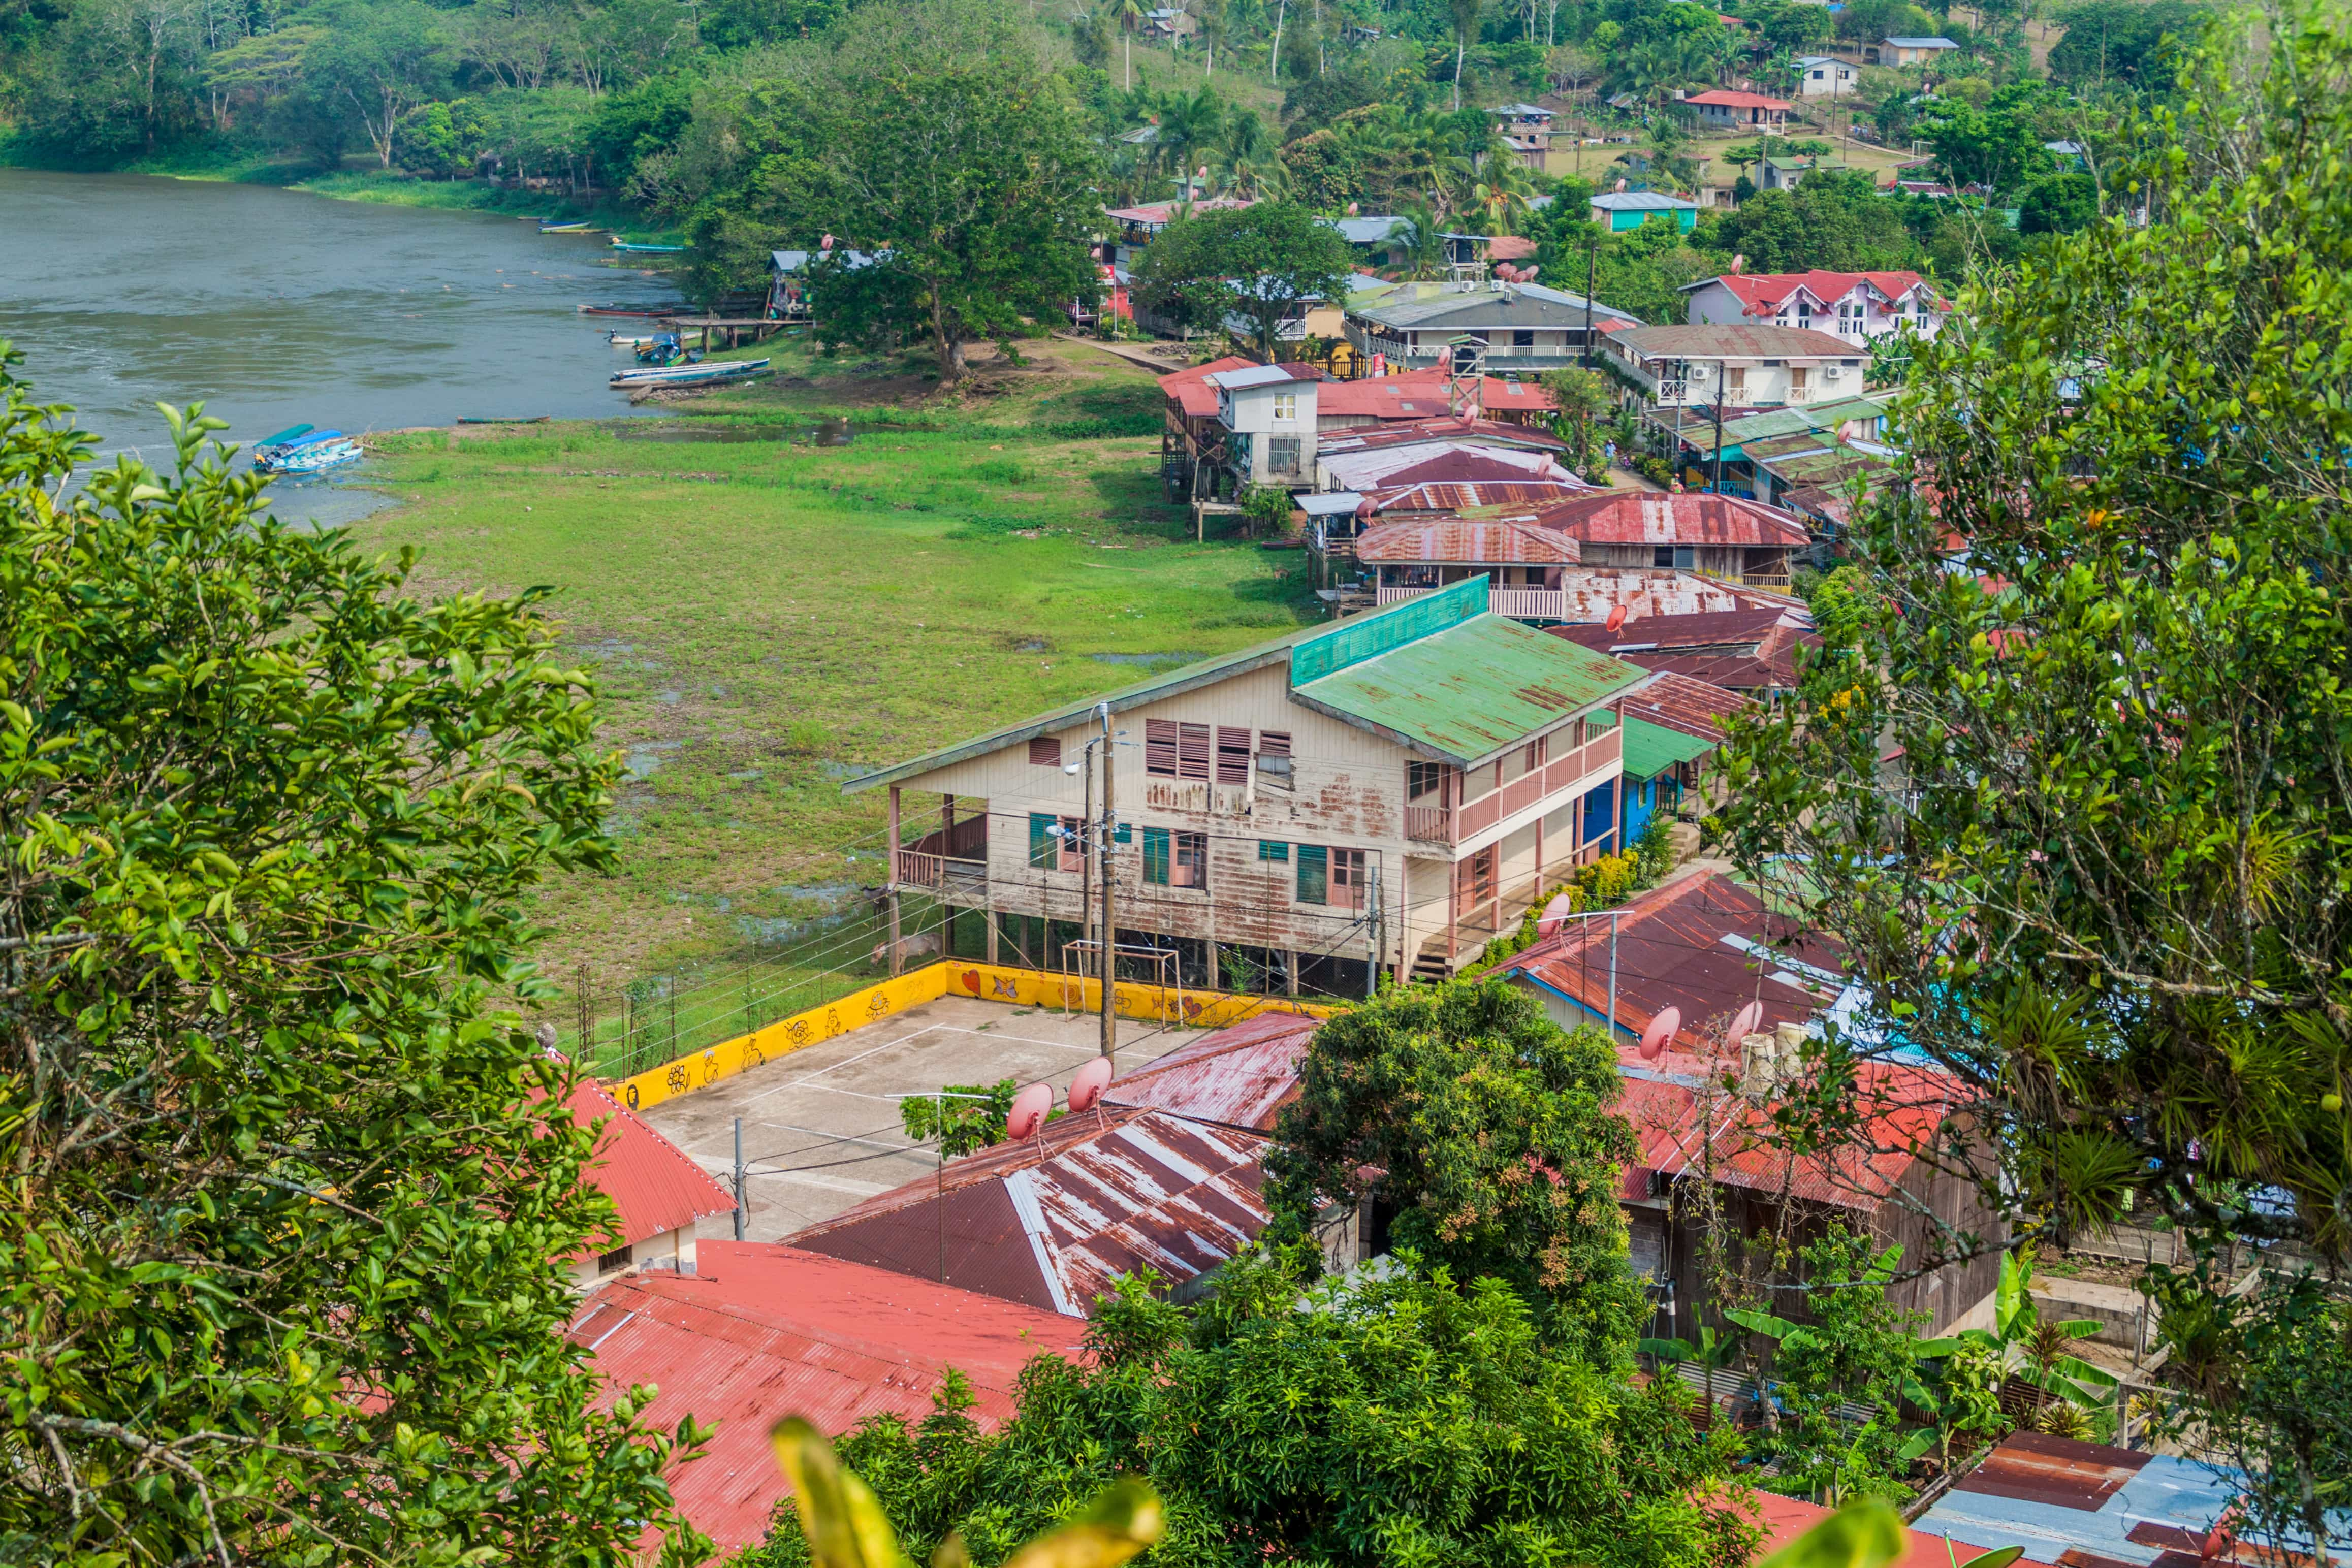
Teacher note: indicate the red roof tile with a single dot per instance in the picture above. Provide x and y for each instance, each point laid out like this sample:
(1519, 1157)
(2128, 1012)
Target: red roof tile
(649, 1179)
(1646, 517)
(1465, 541)
(767, 1332)
(1052, 1221)
(1237, 1077)
(1763, 293)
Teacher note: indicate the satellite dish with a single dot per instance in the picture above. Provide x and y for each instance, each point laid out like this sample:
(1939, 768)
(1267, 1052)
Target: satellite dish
(1555, 914)
(1747, 1020)
(1661, 1033)
(1616, 621)
(1028, 1114)
(824, 242)
(1087, 1088)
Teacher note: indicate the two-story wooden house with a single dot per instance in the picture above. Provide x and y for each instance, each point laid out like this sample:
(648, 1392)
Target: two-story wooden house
(1386, 793)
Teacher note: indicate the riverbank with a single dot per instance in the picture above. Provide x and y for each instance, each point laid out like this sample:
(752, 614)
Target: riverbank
(769, 615)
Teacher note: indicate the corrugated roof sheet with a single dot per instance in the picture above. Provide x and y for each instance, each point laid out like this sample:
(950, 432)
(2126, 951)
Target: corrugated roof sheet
(1645, 517)
(1191, 389)
(1767, 293)
(1593, 591)
(1651, 749)
(1440, 427)
(1775, 669)
(1465, 541)
(1439, 462)
(766, 1332)
(2083, 1504)
(1419, 394)
(1461, 495)
(1707, 342)
(1456, 307)
(1239, 1076)
(1052, 1221)
(1742, 627)
(649, 1179)
(1731, 98)
(1678, 703)
(1470, 692)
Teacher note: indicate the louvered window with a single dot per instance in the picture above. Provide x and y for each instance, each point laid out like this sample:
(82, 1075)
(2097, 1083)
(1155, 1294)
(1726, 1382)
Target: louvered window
(1045, 751)
(1270, 849)
(1233, 755)
(1160, 746)
(1314, 874)
(1042, 847)
(1192, 752)
(1274, 759)
(1155, 856)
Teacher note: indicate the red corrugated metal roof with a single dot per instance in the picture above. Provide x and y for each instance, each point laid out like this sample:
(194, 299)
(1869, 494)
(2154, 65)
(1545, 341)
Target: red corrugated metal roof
(766, 1332)
(1419, 394)
(1463, 540)
(1057, 1217)
(1237, 1077)
(1192, 390)
(1744, 628)
(649, 1179)
(1732, 98)
(1775, 670)
(1648, 517)
(1732, 1140)
(1686, 707)
(1787, 1517)
(1446, 495)
(1764, 293)
(1458, 462)
(1443, 427)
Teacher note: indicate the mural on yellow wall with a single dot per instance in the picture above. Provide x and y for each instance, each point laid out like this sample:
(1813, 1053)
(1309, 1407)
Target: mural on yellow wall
(989, 982)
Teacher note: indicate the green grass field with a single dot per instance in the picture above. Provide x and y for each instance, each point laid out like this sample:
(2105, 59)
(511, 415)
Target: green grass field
(771, 615)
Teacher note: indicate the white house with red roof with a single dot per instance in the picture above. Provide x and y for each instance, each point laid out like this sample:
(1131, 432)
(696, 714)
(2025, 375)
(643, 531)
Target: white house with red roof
(1729, 108)
(658, 1192)
(1855, 306)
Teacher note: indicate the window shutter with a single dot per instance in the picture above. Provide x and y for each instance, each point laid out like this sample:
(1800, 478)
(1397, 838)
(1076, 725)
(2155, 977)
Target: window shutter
(1160, 746)
(1268, 849)
(1193, 751)
(1314, 880)
(1045, 751)
(1233, 755)
(1274, 742)
(1042, 848)
(1155, 855)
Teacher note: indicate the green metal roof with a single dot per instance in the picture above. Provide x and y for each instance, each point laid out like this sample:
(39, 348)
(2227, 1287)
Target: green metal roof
(1471, 692)
(1651, 749)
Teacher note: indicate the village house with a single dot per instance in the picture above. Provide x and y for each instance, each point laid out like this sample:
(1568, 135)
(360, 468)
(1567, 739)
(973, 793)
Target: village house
(1749, 648)
(1825, 75)
(658, 1194)
(1673, 726)
(1783, 172)
(1796, 458)
(1910, 51)
(1382, 794)
(1726, 109)
(1532, 572)
(1526, 129)
(1737, 367)
(1434, 393)
(1620, 211)
(1267, 415)
(1496, 325)
(1721, 536)
(1857, 306)
(1130, 229)
(1379, 240)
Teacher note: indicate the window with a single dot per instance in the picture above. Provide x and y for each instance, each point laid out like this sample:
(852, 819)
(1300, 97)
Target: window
(1192, 859)
(1155, 856)
(613, 1261)
(1735, 381)
(1233, 755)
(1678, 558)
(1041, 840)
(1160, 746)
(1523, 337)
(1282, 454)
(1268, 849)
(1072, 844)
(1314, 874)
(1422, 780)
(1796, 377)
(1046, 752)
(1274, 759)
(1348, 878)
(1192, 751)
(1055, 841)
(1285, 407)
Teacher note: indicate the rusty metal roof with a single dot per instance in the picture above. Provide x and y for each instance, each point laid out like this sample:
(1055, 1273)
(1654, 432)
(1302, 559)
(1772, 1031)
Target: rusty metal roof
(766, 1332)
(1593, 591)
(1470, 692)
(1408, 433)
(1239, 1076)
(650, 1180)
(2084, 1505)
(1190, 389)
(1461, 495)
(1733, 628)
(1774, 670)
(1646, 517)
(1676, 701)
(1052, 1221)
(1454, 462)
(1465, 541)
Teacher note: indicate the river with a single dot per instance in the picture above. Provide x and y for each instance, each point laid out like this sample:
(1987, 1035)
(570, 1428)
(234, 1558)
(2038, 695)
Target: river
(277, 307)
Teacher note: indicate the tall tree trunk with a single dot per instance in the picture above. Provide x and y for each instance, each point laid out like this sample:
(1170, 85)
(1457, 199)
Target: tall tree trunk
(1461, 46)
(944, 343)
(1273, 60)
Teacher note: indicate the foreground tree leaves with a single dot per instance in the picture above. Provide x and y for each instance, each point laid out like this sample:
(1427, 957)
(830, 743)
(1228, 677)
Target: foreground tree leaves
(279, 1249)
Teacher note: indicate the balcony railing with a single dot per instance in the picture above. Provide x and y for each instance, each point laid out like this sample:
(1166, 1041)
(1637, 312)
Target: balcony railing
(1521, 603)
(956, 880)
(1453, 825)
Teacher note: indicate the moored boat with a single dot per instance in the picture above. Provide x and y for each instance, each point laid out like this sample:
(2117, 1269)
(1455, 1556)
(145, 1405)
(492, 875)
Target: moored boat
(571, 228)
(620, 244)
(642, 312)
(312, 456)
(704, 374)
(504, 418)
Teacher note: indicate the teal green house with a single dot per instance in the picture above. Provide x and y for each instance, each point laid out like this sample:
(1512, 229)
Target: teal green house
(1619, 211)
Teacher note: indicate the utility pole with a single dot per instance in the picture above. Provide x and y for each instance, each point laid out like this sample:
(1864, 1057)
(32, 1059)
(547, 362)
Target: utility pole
(1372, 938)
(742, 1197)
(1613, 976)
(1109, 925)
(1720, 374)
(1592, 274)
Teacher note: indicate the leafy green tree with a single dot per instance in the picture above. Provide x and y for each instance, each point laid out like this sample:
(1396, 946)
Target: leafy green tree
(2059, 204)
(935, 134)
(2136, 43)
(2099, 893)
(746, 24)
(1490, 1129)
(281, 1277)
(1578, 399)
(1994, 149)
(1405, 1419)
(1260, 263)
(964, 1117)
(440, 139)
(381, 60)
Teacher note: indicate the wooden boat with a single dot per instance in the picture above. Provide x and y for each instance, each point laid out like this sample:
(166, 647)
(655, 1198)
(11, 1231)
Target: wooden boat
(572, 228)
(702, 375)
(504, 419)
(642, 312)
(620, 244)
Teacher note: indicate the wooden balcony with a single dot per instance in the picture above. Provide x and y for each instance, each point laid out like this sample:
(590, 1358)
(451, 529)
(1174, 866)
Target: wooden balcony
(951, 879)
(1561, 777)
(1519, 603)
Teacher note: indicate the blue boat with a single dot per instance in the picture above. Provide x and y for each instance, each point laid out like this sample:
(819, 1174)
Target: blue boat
(620, 244)
(331, 450)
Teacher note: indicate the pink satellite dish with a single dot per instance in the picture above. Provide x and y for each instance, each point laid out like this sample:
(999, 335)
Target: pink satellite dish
(1029, 1108)
(1555, 914)
(1661, 1033)
(1616, 621)
(1747, 1020)
(1087, 1088)
(824, 242)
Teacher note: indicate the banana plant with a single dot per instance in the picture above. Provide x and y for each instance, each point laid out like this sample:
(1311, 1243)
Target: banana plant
(2026, 1346)
(1714, 1351)
(846, 1528)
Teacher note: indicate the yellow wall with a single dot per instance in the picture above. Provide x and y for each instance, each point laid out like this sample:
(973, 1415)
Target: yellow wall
(989, 982)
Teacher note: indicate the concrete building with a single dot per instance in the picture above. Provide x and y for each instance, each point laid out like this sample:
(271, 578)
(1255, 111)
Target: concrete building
(1826, 75)
(1899, 52)
(1739, 367)
(1505, 326)
(1618, 211)
(1855, 306)
(1728, 109)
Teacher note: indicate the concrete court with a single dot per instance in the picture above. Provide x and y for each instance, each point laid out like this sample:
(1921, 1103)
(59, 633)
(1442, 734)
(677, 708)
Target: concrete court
(821, 1128)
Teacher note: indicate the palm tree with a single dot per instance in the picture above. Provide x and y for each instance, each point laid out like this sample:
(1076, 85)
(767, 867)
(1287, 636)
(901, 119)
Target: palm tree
(1423, 242)
(1189, 126)
(1130, 16)
(1465, 26)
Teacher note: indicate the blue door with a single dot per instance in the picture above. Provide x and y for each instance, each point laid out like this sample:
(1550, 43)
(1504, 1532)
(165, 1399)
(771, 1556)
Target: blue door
(1641, 800)
(1600, 812)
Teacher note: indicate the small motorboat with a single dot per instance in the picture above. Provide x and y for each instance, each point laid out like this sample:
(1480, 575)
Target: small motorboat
(504, 418)
(270, 443)
(567, 228)
(618, 341)
(642, 312)
(664, 349)
(620, 244)
(328, 449)
(694, 375)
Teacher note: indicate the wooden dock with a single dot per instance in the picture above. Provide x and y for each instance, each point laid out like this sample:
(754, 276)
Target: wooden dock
(738, 330)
